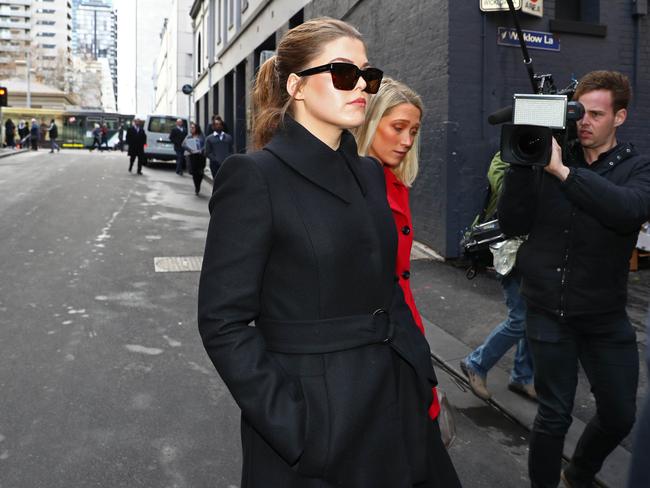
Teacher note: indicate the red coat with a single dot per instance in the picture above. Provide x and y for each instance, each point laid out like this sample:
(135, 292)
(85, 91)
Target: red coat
(398, 200)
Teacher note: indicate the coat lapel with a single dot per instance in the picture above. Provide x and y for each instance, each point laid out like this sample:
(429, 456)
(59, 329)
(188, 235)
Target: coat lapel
(316, 161)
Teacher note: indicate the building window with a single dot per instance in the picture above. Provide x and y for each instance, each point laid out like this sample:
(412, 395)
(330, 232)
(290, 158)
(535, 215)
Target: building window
(578, 17)
(45, 34)
(244, 5)
(231, 13)
(218, 21)
(198, 60)
(46, 22)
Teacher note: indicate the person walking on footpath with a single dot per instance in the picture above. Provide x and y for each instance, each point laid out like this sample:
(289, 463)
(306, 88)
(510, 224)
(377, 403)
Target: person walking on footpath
(582, 214)
(97, 134)
(391, 135)
(334, 381)
(23, 133)
(104, 137)
(34, 135)
(10, 134)
(53, 132)
(194, 146)
(218, 146)
(120, 137)
(512, 331)
(136, 139)
(177, 136)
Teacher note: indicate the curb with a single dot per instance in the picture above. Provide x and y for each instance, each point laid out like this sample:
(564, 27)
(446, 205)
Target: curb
(449, 351)
(6, 154)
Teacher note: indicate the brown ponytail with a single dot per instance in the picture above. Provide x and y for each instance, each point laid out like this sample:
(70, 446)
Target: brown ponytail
(270, 100)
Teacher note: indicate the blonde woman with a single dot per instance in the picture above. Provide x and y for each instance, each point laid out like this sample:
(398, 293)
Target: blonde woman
(391, 135)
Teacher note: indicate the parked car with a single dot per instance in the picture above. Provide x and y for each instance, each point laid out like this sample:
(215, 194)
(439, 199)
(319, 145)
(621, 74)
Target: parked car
(157, 128)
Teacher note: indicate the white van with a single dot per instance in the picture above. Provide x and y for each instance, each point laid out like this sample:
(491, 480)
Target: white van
(157, 128)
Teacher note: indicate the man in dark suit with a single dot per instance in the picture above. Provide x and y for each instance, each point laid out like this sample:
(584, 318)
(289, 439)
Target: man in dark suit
(177, 136)
(218, 145)
(136, 140)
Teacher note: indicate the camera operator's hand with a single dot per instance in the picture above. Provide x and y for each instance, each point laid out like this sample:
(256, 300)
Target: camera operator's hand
(556, 166)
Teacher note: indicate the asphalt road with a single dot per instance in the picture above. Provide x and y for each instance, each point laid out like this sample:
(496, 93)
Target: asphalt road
(103, 379)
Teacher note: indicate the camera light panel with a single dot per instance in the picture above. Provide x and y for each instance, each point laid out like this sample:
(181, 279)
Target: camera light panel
(542, 110)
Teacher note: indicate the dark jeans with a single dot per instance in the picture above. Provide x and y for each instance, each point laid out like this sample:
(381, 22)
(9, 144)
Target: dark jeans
(606, 348)
(214, 167)
(180, 160)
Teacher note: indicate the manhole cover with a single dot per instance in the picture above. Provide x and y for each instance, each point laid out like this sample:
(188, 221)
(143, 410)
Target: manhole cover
(177, 264)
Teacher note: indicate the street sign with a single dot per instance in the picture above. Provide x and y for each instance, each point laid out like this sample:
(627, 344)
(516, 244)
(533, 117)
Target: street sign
(533, 7)
(187, 89)
(533, 39)
(498, 5)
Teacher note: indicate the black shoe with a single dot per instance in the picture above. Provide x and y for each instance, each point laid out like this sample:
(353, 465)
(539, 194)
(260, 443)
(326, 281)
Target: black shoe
(527, 390)
(139, 172)
(130, 169)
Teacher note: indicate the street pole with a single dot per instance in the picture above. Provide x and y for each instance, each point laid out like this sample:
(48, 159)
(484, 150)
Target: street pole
(136, 57)
(29, 79)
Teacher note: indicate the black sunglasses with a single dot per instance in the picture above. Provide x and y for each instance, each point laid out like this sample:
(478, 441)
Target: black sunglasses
(346, 75)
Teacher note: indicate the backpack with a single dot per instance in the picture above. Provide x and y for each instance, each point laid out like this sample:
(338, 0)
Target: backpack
(485, 230)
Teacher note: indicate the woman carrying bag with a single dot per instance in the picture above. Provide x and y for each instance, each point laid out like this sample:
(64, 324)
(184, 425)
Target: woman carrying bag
(193, 145)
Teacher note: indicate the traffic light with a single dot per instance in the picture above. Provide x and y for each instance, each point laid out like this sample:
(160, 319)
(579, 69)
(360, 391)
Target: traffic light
(3, 96)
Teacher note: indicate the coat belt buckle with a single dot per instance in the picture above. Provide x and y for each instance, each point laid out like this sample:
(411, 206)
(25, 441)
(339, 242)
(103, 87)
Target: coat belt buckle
(389, 335)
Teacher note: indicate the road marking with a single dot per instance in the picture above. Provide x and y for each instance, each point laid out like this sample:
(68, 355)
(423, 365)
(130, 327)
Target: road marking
(177, 264)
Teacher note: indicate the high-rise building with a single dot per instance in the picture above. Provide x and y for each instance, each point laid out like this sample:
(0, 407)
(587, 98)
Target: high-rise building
(94, 29)
(173, 67)
(51, 41)
(37, 33)
(15, 34)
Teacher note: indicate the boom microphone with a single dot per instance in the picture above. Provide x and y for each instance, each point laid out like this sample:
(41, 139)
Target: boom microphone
(500, 116)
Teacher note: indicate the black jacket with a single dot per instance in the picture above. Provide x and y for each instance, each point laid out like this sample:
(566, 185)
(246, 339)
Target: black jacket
(54, 131)
(581, 231)
(302, 241)
(177, 136)
(136, 140)
(216, 149)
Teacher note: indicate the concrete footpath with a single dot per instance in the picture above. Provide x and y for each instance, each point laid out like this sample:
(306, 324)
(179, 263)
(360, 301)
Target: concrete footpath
(7, 151)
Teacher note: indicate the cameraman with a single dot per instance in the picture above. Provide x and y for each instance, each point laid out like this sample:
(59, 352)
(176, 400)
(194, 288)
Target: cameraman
(583, 214)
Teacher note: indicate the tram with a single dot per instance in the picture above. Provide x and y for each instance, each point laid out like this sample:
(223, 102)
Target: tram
(75, 126)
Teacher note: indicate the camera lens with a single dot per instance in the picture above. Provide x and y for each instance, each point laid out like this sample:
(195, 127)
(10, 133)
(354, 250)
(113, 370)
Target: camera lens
(529, 144)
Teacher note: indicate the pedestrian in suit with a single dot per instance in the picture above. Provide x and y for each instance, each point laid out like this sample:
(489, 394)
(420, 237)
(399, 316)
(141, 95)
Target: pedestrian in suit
(177, 136)
(390, 134)
(193, 145)
(53, 131)
(334, 381)
(136, 140)
(218, 146)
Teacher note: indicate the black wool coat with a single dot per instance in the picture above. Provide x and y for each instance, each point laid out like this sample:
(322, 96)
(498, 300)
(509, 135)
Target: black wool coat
(334, 380)
(136, 139)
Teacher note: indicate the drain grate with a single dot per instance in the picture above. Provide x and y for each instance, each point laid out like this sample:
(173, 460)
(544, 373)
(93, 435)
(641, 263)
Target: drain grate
(177, 264)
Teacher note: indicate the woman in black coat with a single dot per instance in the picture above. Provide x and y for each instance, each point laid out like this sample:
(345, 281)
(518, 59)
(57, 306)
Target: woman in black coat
(334, 381)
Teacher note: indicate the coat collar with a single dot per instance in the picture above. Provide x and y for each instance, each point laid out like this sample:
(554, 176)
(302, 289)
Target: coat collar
(316, 161)
(396, 193)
